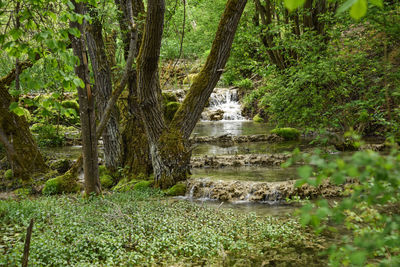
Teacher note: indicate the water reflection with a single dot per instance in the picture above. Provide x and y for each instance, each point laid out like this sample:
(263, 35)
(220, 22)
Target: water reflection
(217, 128)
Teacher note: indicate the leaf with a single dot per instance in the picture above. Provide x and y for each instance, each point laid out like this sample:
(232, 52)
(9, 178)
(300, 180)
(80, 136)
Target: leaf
(19, 111)
(13, 106)
(378, 3)
(358, 257)
(75, 32)
(345, 6)
(359, 9)
(305, 171)
(293, 4)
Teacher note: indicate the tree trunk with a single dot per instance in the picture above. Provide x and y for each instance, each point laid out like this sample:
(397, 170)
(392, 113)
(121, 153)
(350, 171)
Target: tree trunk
(136, 154)
(21, 149)
(169, 145)
(103, 85)
(87, 109)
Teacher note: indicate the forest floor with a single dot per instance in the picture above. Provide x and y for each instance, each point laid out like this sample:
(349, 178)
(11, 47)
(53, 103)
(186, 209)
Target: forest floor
(148, 229)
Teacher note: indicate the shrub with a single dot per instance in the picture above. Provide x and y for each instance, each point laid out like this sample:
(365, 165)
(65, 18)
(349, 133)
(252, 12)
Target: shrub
(47, 135)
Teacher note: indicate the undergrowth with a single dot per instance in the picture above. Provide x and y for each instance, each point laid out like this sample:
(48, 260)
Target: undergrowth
(144, 228)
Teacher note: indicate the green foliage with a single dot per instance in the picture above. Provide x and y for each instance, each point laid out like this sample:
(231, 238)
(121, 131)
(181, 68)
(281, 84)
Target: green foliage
(287, 133)
(177, 190)
(8, 175)
(71, 104)
(141, 228)
(143, 185)
(257, 118)
(47, 135)
(246, 84)
(106, 181)
(370, 212)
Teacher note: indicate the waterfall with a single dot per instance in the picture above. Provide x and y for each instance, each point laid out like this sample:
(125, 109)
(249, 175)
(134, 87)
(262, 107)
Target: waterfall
(223, 105)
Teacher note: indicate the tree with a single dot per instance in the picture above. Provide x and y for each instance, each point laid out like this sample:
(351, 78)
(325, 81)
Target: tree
(21, 149)
(169, 144)
(103, 85)
(87, 108)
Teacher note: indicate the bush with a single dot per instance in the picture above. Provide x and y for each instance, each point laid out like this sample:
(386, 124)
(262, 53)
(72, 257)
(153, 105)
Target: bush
(287, 133)
(47, 135)
(370, 212)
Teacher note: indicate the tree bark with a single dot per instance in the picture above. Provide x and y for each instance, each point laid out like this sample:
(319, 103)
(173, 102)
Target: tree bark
(103, 84)
(136, 153)
(169, 145)
(87, 109)
(21, 149)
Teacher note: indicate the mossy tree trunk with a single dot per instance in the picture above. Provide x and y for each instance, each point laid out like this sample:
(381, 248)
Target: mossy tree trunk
(136, 154)
(21, 149)
(169, 143)
(87, 108)
(103, 86)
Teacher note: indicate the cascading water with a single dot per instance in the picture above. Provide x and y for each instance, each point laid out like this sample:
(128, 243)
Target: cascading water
(223, 105)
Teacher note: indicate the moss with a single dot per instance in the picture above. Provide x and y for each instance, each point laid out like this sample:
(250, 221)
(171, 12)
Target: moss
(61, 184)
(125, 184)
(72, 104)
(169, 97)
(8, 174)
(103, 170)
(170, 110)
(287, 133)
(61, 166)
(142, 185)
(23, 192)
(177, 190)
(190, 78)
(257, 118)
(106, 181)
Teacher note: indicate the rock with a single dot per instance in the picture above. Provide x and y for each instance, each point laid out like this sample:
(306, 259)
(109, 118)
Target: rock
(61, 165)
(239, 160)
(258, 191)
(213, 115)
(230, 139)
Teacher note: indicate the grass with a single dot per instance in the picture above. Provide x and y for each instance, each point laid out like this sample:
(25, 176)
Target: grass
(144, 228)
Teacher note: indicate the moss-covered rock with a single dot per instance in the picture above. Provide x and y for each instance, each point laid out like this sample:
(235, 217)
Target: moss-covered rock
(61, 184)
(170, 110)
(61, 165)
(8, 174)
(142, 185)
(72, 104)
(106, 180)
(257, 118)
(177, 190)
(287, 133)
